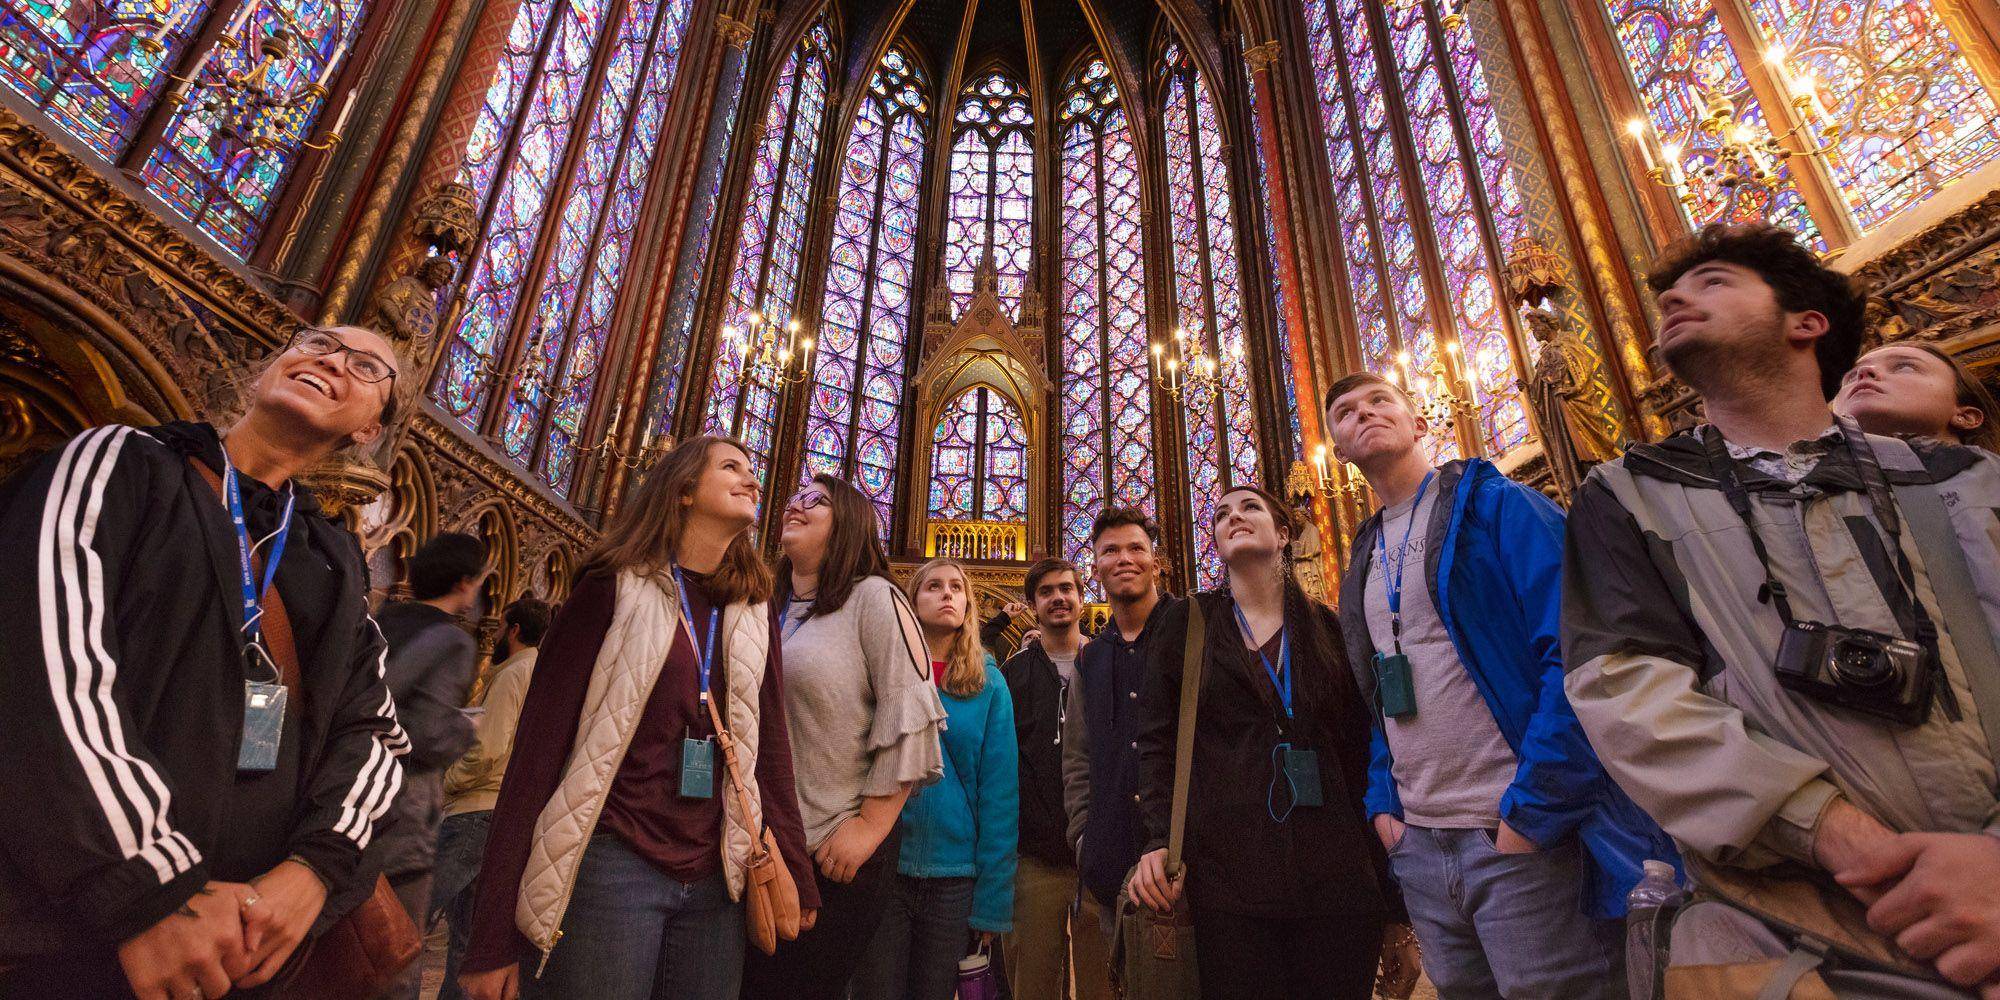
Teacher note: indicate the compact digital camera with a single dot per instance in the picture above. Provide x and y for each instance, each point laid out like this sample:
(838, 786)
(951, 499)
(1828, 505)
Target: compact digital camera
(1881, 675)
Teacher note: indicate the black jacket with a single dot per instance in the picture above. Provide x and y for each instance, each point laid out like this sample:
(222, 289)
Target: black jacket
(431, 662)
(121, 690)
(1038, 691)
(1322, 860)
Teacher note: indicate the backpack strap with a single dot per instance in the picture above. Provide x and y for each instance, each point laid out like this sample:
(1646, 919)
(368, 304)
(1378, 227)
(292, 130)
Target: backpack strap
(1959, 608)
(1191, 665)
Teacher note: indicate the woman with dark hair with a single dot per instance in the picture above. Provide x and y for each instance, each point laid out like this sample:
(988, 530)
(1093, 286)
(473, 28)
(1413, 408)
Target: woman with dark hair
(864, 721)
(1917, 390)
(1288, 888)
(617, 857)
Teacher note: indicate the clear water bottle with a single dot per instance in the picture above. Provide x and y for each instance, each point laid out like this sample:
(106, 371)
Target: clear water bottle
(1649, 914)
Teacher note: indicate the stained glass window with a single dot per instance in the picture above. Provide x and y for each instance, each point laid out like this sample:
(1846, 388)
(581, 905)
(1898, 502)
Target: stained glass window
(1915, 116)
(854, 418)
(769, 246)
(1678, 55)
(92, 66)
(1390, 78)
(1221, 427)
(991, 205)
(979, 459)
(559, 168)
(1106, 392)
(100, 69)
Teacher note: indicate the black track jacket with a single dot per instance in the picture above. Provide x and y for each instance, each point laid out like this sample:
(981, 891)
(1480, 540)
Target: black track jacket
(121, 691)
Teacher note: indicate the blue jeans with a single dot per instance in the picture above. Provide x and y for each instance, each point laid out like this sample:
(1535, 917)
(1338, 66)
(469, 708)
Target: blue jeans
(461, 845)
(1505, 925)
(632, 933)
(923, 934)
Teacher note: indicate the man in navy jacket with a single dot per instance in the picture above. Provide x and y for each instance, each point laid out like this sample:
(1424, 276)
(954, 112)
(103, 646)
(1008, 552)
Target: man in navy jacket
(1513, 848)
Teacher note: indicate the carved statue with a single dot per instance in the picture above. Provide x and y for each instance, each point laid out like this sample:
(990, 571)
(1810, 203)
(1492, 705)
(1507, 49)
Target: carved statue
(1573, 436)
(407, 310)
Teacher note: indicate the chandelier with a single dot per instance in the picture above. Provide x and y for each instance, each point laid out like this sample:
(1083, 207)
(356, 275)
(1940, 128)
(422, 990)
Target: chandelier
(768, 357)
(1190, 373)
(1747, 155)
(1451, 14)
(1438, 392)
(244, 103)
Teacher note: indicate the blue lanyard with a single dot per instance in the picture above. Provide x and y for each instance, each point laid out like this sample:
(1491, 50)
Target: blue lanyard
(253, 595)
(1392, 585)
(1281, 675)
(704, 653)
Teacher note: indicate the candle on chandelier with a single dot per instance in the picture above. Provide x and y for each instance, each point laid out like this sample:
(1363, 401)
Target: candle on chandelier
(1671, 155)
(332, 63)
(1637, 130)
(346, 109)
(175, 15)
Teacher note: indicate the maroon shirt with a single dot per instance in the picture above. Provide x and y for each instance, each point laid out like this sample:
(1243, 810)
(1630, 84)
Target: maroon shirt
(546, 733)
(680, 836)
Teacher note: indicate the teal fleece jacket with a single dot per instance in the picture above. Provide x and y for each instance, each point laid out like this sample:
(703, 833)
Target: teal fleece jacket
(967, 824)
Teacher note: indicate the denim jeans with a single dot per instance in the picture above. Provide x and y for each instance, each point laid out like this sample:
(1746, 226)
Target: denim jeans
(923, 934)
(461, 845)
(632, 933)
(1505, 925)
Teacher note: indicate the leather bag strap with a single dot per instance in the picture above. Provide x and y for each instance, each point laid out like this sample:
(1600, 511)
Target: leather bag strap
(1191, 664)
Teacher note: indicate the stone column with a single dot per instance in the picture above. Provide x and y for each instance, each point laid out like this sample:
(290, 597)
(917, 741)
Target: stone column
(1277, 181)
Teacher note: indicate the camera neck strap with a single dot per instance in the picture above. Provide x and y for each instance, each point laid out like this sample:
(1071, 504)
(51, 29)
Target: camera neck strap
(1869, 469)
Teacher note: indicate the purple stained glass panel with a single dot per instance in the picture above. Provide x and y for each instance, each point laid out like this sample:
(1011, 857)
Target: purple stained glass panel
(990, 202)
(854, 414)
(84, 64)
(768, 254)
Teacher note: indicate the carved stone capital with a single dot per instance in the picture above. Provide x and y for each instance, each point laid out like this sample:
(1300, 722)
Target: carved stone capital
(734, 32)
(344, 488)
(1260, 57)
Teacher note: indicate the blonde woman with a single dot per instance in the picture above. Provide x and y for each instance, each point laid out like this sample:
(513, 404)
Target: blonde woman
(626, 882)
(956, 870)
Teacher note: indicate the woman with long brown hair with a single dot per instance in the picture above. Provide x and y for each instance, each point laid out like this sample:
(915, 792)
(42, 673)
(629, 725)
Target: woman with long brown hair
(864, 724)
(1288, 889)
(617, 857)
(1917, 390)
(956, 871)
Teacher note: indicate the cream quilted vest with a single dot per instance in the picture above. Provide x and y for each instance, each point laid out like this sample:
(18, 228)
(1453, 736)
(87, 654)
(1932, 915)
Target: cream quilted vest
(643, 625)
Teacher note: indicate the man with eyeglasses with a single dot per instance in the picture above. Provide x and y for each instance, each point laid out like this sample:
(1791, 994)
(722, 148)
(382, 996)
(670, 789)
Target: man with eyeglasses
(198, 738)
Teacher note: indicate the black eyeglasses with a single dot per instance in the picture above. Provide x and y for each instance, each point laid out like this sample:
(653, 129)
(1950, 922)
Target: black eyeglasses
(365, 365)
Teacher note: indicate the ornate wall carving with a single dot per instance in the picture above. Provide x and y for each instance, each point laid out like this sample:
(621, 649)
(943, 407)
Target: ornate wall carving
(1942, 285)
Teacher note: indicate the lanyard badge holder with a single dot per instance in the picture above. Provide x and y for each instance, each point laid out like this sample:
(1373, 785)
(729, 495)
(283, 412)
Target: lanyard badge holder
(264, 692)
(697, 755)
(1298, 766)
(1395, 686)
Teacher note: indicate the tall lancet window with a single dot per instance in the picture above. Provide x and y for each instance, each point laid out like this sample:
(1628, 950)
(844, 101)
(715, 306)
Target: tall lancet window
(1106, 394)
(1893, 76)
(99, 71)
(1436, 220)
(558, 162)
(991, 209)
(855, 415)
(979, 459)
(770, 247)
(1221, 426)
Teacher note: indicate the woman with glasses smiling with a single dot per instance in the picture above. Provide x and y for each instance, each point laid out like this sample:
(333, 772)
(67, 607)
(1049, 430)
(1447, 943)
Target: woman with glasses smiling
(864, 721)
